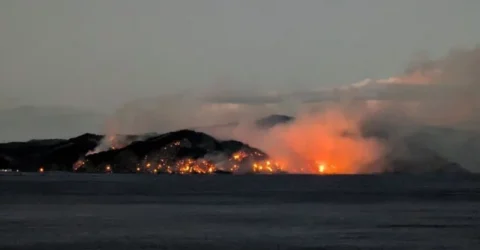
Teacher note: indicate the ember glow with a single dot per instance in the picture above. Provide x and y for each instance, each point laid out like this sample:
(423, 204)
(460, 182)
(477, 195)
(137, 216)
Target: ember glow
(327, 142)
(309, 147)
(240, 161)
(78, 164)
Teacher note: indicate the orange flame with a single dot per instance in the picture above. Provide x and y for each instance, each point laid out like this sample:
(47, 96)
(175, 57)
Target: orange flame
(308, 146)
(327, 143)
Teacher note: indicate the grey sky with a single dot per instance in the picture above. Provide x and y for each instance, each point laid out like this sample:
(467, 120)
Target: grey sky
(102, 53)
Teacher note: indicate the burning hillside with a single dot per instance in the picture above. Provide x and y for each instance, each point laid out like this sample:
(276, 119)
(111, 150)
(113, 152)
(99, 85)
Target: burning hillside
(181, 152)
(377, 125)
(368, 127)
(190, 152)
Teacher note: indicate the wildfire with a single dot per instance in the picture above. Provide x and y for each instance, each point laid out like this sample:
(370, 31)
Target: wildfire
(115, 142)
(183, 166)
(328, 141)
(324, 168)
(242, 161)
(189, 166)
(239, 162)
(78, 164)
(321, 168)
(110, 142)
(239, 156)
(266, 167)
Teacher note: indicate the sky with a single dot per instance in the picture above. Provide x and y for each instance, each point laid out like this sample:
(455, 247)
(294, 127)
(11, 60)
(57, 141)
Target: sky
(69, 67)
(100, 54)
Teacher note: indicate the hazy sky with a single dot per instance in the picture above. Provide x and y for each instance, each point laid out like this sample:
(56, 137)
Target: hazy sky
(102, 53)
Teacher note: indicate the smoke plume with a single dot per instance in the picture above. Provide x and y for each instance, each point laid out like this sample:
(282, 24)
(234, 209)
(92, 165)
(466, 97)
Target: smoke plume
(433, 105)
(430, 109)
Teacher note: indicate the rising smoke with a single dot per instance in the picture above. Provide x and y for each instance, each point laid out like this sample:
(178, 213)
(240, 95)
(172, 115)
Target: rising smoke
(441, 115)
(433, 104)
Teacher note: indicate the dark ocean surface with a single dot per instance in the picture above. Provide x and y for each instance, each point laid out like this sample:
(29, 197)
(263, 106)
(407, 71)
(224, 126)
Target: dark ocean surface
(83, 211)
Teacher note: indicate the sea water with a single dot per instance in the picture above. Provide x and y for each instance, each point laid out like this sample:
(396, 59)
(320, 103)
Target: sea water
(115, 211)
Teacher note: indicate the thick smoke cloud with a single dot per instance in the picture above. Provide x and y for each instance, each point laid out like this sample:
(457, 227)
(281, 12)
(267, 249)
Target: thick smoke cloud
(174, 112)
(441, 115)
(327, 137)
(431, 109)
(193, 109)
(433, 104)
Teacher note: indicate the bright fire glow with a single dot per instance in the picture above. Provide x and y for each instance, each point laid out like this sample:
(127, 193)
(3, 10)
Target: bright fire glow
(321, 168)
(309, 144)
(78, 164)
(325, 142)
